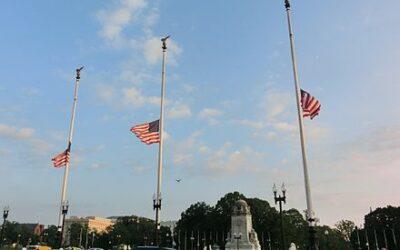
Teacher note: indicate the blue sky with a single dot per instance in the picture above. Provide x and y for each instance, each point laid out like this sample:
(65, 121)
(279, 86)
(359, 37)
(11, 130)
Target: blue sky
(230, 114)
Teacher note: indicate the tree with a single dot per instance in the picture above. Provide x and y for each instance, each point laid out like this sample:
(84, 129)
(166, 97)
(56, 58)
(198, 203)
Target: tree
(383, 221)
(77, 235)
(51, 236)
(15, 232)
(212, 220)
(345, 227)
(132, 230)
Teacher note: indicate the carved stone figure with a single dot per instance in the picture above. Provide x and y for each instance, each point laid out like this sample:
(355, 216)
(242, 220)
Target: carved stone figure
(242, 234)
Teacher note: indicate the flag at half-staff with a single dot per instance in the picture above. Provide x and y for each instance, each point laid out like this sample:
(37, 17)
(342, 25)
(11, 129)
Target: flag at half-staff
(310, 105)
(307, 106)
(61, 159)
(152, 132)
(148, 133)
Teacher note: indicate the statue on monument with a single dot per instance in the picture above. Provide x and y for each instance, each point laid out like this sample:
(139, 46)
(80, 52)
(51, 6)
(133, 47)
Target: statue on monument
(242, 234)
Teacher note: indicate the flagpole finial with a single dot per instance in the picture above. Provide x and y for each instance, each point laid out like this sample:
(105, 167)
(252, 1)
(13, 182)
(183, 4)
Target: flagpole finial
(78, 73)
(287, 4)
(164, 41)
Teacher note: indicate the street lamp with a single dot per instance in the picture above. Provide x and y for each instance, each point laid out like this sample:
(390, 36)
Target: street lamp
(192, 240)
(326, 233)
(358, 239)
(145, 240)
(157, 206)
(64, 211)
(279, 199)
(18, 238)
(204, 240)
(237, 237)
(118, 239)
(6, 210)
(269, 241)
(198, 240)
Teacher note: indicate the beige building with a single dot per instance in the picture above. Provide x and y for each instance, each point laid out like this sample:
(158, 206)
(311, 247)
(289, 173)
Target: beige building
(94, 224)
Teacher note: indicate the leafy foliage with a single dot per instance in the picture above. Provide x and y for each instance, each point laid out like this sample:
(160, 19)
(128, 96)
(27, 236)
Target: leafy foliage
(212, 224)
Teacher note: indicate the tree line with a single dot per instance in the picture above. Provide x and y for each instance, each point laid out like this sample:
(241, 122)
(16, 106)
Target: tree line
(204, 225)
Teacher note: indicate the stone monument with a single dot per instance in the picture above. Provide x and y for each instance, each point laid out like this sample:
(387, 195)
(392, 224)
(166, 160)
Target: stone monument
(242, 234)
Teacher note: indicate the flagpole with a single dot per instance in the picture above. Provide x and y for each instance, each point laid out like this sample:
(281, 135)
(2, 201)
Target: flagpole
(157, 201)
(66, 170)
(310, 212)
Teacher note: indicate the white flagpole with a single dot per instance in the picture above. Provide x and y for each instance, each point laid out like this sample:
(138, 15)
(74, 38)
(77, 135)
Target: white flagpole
(71, 132)
(310, 212)
(157, 201)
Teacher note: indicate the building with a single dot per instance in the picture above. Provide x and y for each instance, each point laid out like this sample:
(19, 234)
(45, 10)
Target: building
(93, 223)
(35, 228)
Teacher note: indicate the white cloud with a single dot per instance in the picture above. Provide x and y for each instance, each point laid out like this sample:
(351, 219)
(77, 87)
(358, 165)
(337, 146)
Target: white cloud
(16, 133)
(134, 96)
(33, 148)
(96, 166)
(4, 152)
(106, 93)
(285, 127)
(189, 88)
(30, 91)
(209, 113)
(143, 51)
(184, 150)
(114, 21)
(229, 159)
(179, 111)
(276, 104)
(253, 124)
(153, 54)
(140, 169)
(204, 149)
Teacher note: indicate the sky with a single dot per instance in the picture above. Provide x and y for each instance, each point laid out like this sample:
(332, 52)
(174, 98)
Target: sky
(230, 117)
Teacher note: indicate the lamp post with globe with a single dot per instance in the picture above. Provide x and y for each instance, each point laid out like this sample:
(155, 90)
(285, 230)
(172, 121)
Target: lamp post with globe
(279, 199)
(5, 215)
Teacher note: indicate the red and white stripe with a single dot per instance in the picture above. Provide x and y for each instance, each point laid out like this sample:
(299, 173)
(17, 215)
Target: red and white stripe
(61, 159)
(143, 132)
(310, 105)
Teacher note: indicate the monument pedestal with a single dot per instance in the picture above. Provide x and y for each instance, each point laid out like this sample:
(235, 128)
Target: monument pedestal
(242, 235)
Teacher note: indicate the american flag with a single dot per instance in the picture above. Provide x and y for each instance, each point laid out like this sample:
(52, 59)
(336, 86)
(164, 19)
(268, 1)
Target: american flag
(310, 105)
(148, 132)
(61, 159)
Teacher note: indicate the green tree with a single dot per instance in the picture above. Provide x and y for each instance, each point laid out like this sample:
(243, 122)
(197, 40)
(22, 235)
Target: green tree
(346, 228)
(15, 232)
(77, 235)
(384, 220)
(51, 236)
(212, 220)
(132, 230)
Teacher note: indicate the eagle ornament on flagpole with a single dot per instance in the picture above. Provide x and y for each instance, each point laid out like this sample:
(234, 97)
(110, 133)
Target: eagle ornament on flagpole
(152, 132)
(307, 106)
(63, 158)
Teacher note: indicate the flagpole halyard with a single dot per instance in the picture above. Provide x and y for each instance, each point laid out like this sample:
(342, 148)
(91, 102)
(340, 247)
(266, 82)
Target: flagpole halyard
(70, 136)
(310, 213)
(157, 200)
